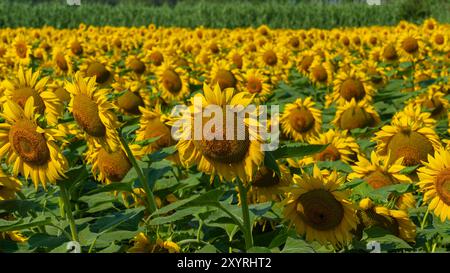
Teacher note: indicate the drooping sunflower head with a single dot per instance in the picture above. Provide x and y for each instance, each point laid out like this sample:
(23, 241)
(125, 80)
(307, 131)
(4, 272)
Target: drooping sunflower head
(397, 222)
(321, 73)
(407, 138)
(301, 119)
(353, 115)
(108, 166)
(135, 64)
(145, 244)
(227, 149)
(225, 75)
(319, 210)
(92, 111)
(267, 185)
(434, 182)
(380, 172)
(62, 61)
(433, 101)
(9, 185)
(99, 68)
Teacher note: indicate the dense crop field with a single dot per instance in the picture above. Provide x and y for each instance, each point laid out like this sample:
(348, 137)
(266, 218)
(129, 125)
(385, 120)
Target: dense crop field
(89, 151)
(219, 14)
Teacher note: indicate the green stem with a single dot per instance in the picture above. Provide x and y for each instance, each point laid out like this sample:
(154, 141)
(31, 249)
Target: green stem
(422, 225)
(245, 215)
(68, 210)
(232, 216)
(150, 198)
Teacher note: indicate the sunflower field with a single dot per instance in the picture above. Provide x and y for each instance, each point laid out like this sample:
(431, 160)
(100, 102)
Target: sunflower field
(88, 154)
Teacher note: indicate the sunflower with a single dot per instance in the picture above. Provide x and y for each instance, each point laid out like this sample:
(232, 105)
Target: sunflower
(8, 186)
(257, 84)
(144, 244)
(439, 40)
(57, 87)
(229, 158)
(269, 56)
(155, 57)
(389, 53)
(354, 114)
(407, 138)
(225, 75)
(321, 73)
(98, 67)
(21, 50)
(319, 210)
(353, 84)
(135, 64)
(62, 62)
(410, 46)
(433, 101)
(434, 182)
(31, 150)
(340, 147)
(26, 85)
(267, 185)
(108, 166)
(92, 112)
(152, 124)
(397, 222)
(300, 120)
(378, 172)
(173, 82)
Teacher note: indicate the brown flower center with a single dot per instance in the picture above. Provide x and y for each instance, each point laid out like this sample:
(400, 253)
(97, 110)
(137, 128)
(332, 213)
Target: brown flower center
(443, 186)
(320, 210)
(412, 146)
(98, 70)
(130, 102)
(270, 58)
(331, 153)
(21, 95)
(61, 62)
(410, 45)
(355, 117)
(225, 79)
(237, 60)
(85, 112)
(306, 63)
(137, 66)
(30, 145)
(21, 50)
(439, 39)
(378, 179)
(352, 89)
(254, 85)
(319, 73)
(389, 53)
(76, 48)
(156, 58)
(301, 120)
(155, 128)
(172, 81)
(265, 177)
(294, 42)
(114, 165)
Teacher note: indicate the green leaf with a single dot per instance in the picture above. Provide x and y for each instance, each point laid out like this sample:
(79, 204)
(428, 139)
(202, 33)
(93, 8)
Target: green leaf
(297, 246)
(271, 163)
(154, 174)
(351, 184)
(410, 169)
(147, 141)
(114, 220)
(259, 249)
(24, 223)
(22, 207)
(387, 241)
(160, 154)
(335, 165)
(180, 214)
(118, 186)
(74, 176)
(296, 150)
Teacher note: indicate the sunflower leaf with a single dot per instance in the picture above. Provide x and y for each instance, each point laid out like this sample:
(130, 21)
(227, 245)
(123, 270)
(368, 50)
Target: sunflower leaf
(297, 150)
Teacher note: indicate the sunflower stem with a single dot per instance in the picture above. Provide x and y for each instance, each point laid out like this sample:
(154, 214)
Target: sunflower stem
(151, 203)
(248, 237)
(68, 211)
(424, 220)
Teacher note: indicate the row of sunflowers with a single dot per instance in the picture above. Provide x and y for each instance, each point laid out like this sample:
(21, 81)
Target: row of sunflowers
(87, 148)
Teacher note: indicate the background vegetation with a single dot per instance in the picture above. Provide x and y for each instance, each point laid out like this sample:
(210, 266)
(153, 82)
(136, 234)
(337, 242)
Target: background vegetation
(220, 14)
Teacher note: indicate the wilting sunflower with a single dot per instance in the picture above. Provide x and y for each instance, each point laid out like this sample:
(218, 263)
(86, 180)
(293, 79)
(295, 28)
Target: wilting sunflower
(408, 138)
(396, 222)
(319, 210)
(228, 158)
(378, 173)
(301, 120)
(173, 82)
(92, 111)
(108, 166)
(26, 85)
(340, 147)
(267, 185)
(354, 114)
(353, 84)
(434, 181)
(8, 186)
(257, 84)
(31, 150)
(144, 244)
